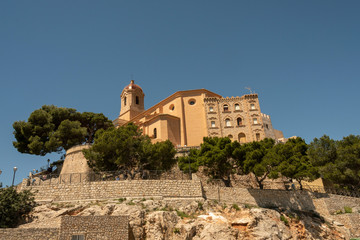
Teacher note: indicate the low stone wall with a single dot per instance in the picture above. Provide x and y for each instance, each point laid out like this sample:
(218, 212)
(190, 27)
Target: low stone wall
(117, 189)
(296, 200)
(95, 227)
(337, 202)
(29, 233)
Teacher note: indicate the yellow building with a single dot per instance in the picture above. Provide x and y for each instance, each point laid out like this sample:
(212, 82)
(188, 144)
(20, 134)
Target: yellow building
(186, 117)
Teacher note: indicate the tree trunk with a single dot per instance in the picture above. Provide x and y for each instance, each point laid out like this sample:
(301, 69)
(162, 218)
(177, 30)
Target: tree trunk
(301, 186)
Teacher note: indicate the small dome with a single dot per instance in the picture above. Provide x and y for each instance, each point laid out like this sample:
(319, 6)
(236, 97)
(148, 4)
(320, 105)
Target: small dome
(132, 85)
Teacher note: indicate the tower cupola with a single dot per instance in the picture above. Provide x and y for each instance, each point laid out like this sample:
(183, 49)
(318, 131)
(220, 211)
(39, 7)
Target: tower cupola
(132, 101)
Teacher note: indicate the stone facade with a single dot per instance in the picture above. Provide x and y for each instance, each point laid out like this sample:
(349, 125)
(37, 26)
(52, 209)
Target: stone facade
(117, 189)
(296, 200)
(75, 162)
(29, 233)
(91, 227)
(186, 117)
(238, 118)
(95, 227)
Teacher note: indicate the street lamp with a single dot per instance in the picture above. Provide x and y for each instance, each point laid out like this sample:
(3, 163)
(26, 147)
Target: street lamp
(15, 168)
(48, 163)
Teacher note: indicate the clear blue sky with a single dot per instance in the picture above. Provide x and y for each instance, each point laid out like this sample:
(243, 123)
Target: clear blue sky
(301, 57)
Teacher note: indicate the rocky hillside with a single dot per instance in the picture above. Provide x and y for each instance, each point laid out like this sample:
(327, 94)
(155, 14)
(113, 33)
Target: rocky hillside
(157, 219)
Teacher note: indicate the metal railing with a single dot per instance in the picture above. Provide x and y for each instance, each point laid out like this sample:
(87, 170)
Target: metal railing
(53, 179)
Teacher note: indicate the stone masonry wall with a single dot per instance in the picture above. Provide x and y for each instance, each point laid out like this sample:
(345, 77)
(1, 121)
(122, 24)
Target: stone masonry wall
(263, 198)
(95, 227)
(117, 189)
(29, 233)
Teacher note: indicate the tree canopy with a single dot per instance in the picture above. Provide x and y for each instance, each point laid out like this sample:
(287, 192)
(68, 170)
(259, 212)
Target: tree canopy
(337, 161)
(259, 159)
(293, 161)
(125, 148)
(222, 158)
(54, 129)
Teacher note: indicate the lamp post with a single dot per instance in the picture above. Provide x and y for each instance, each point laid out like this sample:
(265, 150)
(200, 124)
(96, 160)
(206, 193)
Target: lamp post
(15, 169)
(48, 163)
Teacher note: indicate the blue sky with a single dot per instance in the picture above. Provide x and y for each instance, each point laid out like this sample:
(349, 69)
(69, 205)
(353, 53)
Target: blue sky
(301, 57)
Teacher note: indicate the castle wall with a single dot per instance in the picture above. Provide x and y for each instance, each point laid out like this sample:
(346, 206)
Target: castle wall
(268, 128)
(117, 189)
(75, 162)
(247, 108)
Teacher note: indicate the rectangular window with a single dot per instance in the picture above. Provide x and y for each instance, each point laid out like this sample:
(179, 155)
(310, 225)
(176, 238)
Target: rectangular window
(237, 107)
(212, 123)
(258, 137)
(211, 109)
(252, 106)
(255, 121)
(77, 237)
(227, 122)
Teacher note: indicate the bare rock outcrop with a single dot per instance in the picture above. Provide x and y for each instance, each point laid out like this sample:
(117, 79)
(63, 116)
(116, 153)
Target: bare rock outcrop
(197, 220)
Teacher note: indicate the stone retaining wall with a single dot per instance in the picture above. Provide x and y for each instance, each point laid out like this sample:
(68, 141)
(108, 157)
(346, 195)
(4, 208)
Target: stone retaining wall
(117, 189)
(95, 227)
(29, 233)
(297, 200)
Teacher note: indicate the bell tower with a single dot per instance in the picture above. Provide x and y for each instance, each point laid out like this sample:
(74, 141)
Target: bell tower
(132, 101)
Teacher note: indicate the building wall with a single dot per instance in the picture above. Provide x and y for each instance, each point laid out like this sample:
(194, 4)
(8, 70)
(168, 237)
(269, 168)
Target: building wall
(268, 128)
(95, 227)
(245, 112)
(192, 109)
(191, 118)
(29, 233)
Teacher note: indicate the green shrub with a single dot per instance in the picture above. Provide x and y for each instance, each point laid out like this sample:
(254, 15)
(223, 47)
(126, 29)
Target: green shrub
(182, 214)
(284, 219)
(347, 209)
(236, 207)
(121, 200)
(176, 230)
(338, 212)
(249, 206)
(200, 206)
(14, 206)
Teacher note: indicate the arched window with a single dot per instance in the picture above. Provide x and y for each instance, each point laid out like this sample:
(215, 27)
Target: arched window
(226, 108)
(155, 133)
(237, 107)
(137, 100)
(230, 136)
(213, 124)
(252, 106)
(227, 122)
(124, 101)
(239, 121)
(242, 138)
(211, 109)
(255, 121)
